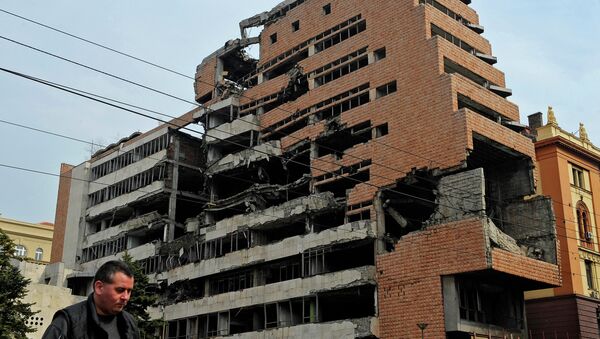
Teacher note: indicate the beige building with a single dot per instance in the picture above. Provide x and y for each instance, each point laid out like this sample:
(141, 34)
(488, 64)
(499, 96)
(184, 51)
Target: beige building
(47, 291)
(33, 241)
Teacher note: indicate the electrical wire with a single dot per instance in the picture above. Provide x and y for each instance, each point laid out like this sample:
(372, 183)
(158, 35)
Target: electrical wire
(198, 105)
(213, 85)
(97, 44)
(246, 147)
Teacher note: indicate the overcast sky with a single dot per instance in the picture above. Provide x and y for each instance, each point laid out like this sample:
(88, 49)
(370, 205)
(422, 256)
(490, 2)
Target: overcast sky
(548, 50)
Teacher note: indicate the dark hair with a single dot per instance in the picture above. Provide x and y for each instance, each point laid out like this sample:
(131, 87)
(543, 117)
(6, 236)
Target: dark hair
(107, 271)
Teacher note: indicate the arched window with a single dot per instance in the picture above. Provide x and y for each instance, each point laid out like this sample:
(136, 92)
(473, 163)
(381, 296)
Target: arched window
(39, 254)
(583, 222)
(20, 251)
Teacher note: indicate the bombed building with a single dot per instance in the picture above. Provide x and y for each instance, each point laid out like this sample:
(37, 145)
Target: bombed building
(366, 174)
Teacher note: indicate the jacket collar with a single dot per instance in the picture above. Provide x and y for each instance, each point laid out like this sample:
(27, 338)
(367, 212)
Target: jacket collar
(93, 317)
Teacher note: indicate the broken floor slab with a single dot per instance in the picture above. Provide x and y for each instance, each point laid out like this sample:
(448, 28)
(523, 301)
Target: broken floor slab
(244, 158)
(146, 220)
(281, 214)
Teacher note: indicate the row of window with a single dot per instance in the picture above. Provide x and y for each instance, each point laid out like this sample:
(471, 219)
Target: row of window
(296, 24)
(104, 249)
(340, 36)
(301, 48)
(352, 169)
(446, 11)
(279, 314)
(356, 97)
(345, 69)
(129, 157)
(336, 305)
(21, 251)
(437, 31)
(128, 185)
(305, 112)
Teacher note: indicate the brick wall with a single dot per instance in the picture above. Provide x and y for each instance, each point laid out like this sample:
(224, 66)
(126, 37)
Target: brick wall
(60, 217)
(409, 279)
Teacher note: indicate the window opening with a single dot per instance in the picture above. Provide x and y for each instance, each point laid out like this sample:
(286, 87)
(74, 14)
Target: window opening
(20, 251)
(327, 9)
(589, 273)
(39, 254)
(381, 130)
(583, 224)
(578, 177)
(314, 262)
(342, 35)
(380, 54)
(387, 89)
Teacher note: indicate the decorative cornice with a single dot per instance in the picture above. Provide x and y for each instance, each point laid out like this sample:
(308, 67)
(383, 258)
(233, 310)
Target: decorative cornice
(569, 145)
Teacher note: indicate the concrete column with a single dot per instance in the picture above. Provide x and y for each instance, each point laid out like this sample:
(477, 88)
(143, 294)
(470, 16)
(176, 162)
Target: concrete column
(170, 234)
(379, 223)
(314, 153)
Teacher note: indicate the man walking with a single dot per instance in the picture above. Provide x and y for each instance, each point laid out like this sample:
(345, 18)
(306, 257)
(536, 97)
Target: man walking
(101, 316)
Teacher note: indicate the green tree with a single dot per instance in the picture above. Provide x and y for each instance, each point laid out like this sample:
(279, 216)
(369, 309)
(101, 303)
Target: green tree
(142, 297)
(13, 287)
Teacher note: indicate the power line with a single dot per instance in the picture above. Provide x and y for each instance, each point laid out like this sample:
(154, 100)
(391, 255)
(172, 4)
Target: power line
(214, 86)
(198, 105)
(245, 147)
(97, 44)
(154, 65)
(48, 132)
(98, 70)
(105, 184)
(248, 122)
(198, 202)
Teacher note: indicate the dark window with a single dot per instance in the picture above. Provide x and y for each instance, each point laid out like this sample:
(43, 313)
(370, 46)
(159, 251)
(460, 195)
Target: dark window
(341, 71)
(481, 302)
(386, 89)
(327, 9)
(273, 38)
(583, 222)
(437, 31)
(381, 130)
(295, 26)
(578, 177)
(589, 274)
(341, 36)
(380, 54)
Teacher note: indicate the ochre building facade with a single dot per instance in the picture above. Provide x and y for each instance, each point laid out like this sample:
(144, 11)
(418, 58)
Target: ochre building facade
(569, 167)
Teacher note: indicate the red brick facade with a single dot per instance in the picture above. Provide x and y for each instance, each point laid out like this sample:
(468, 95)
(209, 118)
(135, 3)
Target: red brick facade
(433, 117)
(62, 208)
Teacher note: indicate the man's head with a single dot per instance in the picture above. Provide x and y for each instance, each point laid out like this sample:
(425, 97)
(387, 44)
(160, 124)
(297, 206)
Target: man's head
(112, 287)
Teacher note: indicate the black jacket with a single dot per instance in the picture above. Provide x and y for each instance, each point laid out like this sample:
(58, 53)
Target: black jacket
(80, 321)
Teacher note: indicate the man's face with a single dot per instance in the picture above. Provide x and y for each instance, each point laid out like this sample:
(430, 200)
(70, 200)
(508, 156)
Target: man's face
(111, 298)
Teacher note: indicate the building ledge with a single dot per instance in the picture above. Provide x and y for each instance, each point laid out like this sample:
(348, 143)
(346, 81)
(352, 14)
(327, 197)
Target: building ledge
(285, 248)
(290, 289)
